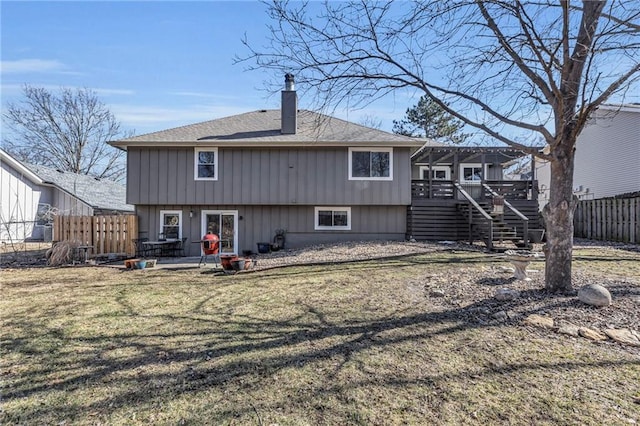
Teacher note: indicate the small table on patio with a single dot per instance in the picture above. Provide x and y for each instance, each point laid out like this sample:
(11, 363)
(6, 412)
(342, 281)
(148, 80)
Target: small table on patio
(159, 247)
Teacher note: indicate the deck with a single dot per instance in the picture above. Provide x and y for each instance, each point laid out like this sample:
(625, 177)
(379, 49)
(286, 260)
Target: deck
(446, 210)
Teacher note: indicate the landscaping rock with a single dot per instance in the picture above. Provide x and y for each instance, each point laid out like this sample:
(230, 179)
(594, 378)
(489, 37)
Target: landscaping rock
(539, 321)
(500, 316)
(565, 327)
(438, 293)
(624, 336)
(506, 294)
(591, 334)
(595, 295)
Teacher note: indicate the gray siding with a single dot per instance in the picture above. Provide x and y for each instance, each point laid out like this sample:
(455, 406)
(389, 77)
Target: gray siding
(300, 176)
(258, 224)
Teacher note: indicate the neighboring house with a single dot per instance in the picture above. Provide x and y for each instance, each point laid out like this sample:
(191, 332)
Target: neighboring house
(607, 156)
(243, 177)
(31, 195)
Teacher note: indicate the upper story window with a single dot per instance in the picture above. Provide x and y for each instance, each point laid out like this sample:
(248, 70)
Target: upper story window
(206, 165)
(170, 224)
(370, 163)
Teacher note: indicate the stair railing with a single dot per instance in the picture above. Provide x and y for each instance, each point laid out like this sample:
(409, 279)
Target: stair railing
(487, 218)
(525, 219)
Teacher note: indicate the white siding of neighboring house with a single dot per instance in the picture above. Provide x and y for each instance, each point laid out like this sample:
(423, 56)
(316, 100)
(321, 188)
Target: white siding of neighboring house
(607, 159)
(19, 198)
(543, 176)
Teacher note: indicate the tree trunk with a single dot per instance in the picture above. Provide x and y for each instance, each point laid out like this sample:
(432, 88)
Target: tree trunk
(558, 215)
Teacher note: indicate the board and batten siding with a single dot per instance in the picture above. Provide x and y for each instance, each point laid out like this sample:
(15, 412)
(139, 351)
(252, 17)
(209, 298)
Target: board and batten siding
(19, 198)
(258, 224)
(262, 176)
(607, 159)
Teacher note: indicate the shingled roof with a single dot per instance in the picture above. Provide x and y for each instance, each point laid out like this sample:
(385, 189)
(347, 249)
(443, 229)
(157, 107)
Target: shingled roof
(100, 194)
(262, 128)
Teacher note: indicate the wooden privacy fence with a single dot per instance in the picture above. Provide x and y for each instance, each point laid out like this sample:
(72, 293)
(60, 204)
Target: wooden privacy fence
(608, 220)
(107, 234)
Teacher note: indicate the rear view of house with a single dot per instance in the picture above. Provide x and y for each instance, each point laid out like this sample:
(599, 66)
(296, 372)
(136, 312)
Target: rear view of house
(247, 176)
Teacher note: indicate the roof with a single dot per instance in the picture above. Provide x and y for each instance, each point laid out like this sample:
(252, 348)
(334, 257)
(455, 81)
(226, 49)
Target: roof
(16, 165)
(633, 107)
(98, 193)
(262, 128)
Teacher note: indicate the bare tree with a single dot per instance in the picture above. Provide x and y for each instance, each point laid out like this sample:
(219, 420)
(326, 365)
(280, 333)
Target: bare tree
(517, 70)
(68, 131)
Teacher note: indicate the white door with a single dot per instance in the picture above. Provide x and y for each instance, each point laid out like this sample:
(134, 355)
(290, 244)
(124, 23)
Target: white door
(223, 223)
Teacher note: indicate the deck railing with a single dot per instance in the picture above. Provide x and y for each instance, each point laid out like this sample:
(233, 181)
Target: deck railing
(509, 189)
(483, 217)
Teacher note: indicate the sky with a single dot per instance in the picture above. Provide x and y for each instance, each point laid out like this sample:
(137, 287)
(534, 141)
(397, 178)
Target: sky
(155, 64)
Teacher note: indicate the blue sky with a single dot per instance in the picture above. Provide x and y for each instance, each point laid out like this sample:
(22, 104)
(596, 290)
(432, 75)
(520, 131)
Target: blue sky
(155, 64)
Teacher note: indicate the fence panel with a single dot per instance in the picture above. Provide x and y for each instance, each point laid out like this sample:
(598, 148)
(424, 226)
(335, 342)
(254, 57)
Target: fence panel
(616, 219)
(107, 234)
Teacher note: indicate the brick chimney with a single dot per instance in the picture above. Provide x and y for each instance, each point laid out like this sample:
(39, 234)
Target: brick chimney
(289, 108)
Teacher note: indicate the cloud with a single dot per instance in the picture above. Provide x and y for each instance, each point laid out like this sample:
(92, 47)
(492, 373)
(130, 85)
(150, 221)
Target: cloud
(192, 94)
(109, 92)
(150, 118)
(16, 89)
(32, 66)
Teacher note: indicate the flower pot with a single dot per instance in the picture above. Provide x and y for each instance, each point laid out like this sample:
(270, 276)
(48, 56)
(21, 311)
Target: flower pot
(248, 264)
(238, 264)
(225, 261)
(140, 264)
(264, 247)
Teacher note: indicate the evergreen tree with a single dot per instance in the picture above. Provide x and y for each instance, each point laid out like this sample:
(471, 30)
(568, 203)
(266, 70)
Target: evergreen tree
(428, 120)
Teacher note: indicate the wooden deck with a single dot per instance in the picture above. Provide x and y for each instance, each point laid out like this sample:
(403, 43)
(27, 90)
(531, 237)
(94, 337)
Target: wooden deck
(440, 211)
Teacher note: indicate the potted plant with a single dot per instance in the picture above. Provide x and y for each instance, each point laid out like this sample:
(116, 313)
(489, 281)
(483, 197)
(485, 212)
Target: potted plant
(278, 240)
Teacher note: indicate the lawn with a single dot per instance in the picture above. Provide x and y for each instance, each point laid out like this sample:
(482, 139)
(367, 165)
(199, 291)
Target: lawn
(356, 343)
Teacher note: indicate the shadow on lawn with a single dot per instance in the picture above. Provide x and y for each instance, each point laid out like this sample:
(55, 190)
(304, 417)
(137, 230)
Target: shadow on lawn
(241, 353)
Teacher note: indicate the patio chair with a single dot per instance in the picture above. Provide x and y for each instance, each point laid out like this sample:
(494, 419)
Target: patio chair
(141, 249)
(177, 249)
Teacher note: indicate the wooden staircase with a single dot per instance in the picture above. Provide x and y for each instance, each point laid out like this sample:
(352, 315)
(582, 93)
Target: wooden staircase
(487, 224)
(483, 229)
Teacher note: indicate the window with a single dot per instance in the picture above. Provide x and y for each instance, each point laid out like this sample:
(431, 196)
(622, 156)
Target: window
(171, 224)
(333, 218)
(206, 164)
(437, 173)
(370, 163)
(471, 173)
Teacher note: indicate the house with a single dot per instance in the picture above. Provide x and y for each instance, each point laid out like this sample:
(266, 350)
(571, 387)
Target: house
(31, 195)
(607, 155)
(244, 177)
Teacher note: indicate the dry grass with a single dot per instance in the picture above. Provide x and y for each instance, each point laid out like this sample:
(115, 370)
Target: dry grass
(360, 343)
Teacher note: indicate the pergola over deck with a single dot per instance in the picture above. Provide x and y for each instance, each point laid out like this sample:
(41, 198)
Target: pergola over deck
(492, 160)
